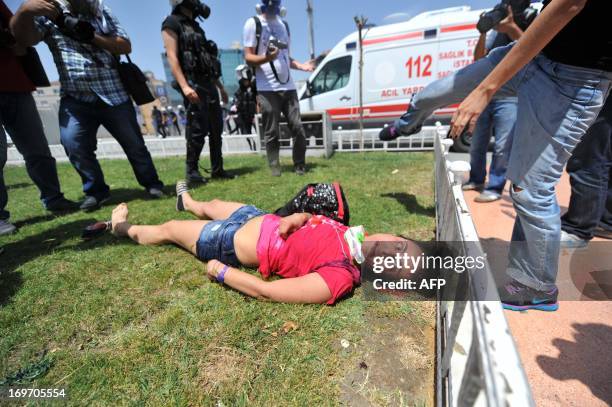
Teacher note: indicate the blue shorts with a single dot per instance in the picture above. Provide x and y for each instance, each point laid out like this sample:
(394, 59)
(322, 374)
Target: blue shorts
(216, 241)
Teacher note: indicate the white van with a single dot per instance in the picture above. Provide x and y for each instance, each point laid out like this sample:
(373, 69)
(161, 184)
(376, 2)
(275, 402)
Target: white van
(399, 60)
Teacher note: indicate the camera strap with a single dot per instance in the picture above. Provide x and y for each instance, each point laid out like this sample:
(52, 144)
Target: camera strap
(258, 33)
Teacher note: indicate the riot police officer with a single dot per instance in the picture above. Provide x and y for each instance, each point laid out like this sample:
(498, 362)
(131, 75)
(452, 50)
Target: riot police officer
(246, 101)
(196, 68)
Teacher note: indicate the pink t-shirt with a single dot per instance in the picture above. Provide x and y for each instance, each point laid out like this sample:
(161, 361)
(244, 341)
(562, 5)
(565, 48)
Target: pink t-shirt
(317, 247)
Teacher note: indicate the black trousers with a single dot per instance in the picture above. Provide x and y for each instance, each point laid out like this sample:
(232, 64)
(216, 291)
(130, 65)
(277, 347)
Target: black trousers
(590, 171)
(204, 119)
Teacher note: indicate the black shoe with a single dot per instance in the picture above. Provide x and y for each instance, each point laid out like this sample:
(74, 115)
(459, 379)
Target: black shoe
(223, 175)
(91, 203)
(300, 170)
(602, 233)
(195, 177)
(518, 297)
(388, 133)
(155, 193)
(62, 205)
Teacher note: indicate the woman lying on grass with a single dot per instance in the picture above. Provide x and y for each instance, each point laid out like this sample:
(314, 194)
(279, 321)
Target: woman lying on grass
(309, 252)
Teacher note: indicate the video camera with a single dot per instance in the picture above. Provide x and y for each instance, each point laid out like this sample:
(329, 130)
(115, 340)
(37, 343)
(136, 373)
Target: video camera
(523, 13)
(278, 44)
(71, 26)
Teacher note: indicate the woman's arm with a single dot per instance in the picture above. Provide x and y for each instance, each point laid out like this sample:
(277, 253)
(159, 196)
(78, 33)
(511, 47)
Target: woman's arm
(309, 289)
(553, 19)
(291, 223)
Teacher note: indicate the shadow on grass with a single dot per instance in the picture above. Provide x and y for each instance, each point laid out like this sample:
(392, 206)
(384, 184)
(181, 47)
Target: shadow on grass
(411, 204)
(24, 251)
(18, 186)
(309, 167)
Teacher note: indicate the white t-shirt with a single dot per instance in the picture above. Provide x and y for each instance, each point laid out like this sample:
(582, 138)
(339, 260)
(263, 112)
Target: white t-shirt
(266, 80)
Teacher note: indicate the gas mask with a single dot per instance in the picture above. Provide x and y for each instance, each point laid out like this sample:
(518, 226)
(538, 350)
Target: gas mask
(271, 7)
(199, 9)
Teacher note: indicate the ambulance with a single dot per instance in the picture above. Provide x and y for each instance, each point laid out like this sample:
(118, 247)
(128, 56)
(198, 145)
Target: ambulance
(399, 60)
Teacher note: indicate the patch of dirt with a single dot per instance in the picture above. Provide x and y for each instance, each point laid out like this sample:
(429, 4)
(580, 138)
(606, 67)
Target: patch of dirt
(222, 366)
(395, 363)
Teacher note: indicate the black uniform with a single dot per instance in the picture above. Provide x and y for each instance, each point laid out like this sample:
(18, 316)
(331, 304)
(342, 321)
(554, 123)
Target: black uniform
(246, 104)
(202, 70)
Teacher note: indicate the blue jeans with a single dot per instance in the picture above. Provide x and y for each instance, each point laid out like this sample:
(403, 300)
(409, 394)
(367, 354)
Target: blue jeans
(557, 104)
(20, 118)
(217, 238)
(498, 118)
(79, 123)
(590, 170)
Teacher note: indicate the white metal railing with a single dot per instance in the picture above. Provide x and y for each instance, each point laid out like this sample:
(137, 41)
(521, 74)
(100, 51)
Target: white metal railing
(477, 360)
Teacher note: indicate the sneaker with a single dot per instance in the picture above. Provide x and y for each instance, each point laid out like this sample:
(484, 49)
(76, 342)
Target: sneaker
(6, 228)
(155, 193)
(488, 196)
(570, 241)
(195, 177)
(62, 205)
(181, 188)
(223, 175)
(276, 171)
(472, 186)
(300, 170)
(519, 297)
(602, 233)
(91, 203)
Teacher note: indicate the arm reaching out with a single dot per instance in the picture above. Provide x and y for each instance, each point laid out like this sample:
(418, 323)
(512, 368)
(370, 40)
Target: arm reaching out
(553, 19)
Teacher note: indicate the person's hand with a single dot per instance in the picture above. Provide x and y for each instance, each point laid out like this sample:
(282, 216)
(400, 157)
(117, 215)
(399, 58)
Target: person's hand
(213, 268)
(191, 95)
(291, 224)
(272, 54)
(45, 8)
(469, 111)
(224, 95)
(507, 25)
(307, 67)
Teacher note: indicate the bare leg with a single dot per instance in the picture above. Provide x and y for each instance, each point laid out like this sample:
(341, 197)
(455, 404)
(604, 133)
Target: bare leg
(211, 210)
(182, 233)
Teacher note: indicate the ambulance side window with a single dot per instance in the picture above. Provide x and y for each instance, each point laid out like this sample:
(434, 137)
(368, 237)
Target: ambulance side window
(333, 76)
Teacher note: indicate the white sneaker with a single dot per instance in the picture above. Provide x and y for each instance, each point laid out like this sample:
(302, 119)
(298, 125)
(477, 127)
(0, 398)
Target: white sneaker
(569, 241)
(6, 228)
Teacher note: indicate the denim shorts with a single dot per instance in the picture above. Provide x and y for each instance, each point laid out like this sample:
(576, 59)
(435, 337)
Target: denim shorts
(217, 238)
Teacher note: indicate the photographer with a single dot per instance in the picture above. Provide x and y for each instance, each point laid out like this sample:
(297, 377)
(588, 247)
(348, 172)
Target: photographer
(19, 116)
(498, 118)
(266, 47)
(561, 70)
(196, 69)
(85, 40)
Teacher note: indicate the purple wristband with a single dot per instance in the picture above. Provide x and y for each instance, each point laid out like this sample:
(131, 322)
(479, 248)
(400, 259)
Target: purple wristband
(221, 276)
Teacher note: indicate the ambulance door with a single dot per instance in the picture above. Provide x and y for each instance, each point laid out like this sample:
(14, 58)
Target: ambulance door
(333, 86)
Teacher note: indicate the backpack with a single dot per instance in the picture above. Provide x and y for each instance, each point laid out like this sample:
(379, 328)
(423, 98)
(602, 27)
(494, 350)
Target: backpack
(319, 199)
(258, 33)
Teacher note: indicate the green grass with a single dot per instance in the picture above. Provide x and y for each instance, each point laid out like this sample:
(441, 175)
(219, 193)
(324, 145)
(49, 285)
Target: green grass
(124, 324)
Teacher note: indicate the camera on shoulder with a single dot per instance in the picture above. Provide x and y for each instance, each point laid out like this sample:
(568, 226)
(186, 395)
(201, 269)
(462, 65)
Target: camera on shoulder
(523, 13)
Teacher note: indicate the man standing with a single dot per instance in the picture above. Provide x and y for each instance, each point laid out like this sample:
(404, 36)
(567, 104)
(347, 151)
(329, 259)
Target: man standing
(590, 170)
(92, 92)
(561, 71)
(196, 69)
(245, 101)
(267, 48)
(498, 118)
(19, 116)
(158, 122)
